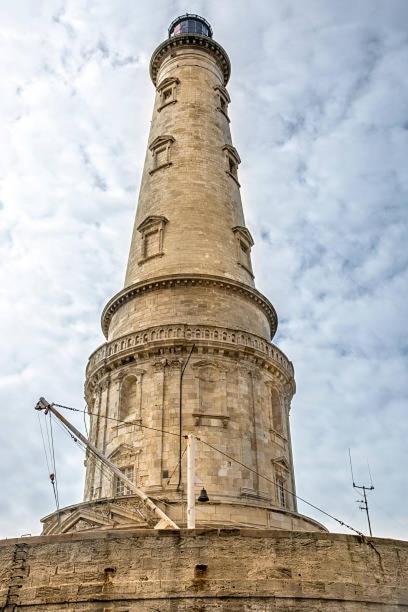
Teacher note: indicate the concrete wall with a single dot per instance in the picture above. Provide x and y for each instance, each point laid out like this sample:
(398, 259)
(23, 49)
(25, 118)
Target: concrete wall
(226, 570)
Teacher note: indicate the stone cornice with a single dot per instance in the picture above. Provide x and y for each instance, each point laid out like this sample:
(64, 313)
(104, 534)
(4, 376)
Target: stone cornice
(185, 280)
(190, 40)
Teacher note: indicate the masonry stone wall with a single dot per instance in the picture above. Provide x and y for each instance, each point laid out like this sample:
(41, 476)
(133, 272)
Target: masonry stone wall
(199, 199)
(203, 570)
(189, 285)
(232, 399)
(188, 305)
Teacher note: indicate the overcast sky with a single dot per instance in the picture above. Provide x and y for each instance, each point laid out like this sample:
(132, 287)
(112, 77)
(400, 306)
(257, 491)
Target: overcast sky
(319, 115)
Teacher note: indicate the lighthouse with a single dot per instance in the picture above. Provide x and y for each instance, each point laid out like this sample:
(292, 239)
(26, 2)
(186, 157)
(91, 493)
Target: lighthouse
(189, 339)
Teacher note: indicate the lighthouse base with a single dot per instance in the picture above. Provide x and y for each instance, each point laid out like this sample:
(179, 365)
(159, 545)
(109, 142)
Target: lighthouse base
(127, 513)
(203, 570)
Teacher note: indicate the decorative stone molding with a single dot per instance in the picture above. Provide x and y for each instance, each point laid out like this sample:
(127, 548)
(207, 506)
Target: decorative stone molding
(152, 234)
(159, 366)
(105, 384)
(193, 41)
(160, 148)
(167, 90)
(175, 364)
(223, 99)
(175, 281)
(252, 349)
(182, 332)
(124, 452)
(232, 161)
(210, 420)
(244, 242)
(281, 466)
(107, 513)
(211, 379)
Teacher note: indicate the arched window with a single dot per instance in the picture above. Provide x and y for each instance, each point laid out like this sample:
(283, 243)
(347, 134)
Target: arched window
(211, 404)
(128, 397)
(276, 411)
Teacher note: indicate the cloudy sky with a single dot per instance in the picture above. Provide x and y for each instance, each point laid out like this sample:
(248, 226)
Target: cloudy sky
(320, 117)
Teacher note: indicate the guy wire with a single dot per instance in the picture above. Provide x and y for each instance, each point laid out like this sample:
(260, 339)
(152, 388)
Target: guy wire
(342, 523)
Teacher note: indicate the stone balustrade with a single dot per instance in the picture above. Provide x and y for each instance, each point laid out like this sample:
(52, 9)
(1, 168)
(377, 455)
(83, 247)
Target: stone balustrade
(169, 334)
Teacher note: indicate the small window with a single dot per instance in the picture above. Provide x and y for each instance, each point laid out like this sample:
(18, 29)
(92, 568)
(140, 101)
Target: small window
(128, 397)
(151, 244)
(152, 237)
(232, 160)
(244, 244)
(120, 486)
(161, 152)
(223, 100)
(276, 411)
(167, 91)
(280, 485)
(161, 157)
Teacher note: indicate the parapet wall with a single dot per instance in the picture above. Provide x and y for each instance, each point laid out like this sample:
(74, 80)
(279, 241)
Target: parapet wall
(203, 570)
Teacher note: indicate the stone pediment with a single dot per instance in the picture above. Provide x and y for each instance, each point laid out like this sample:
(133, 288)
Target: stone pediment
(167, 82)
(82, 520)
(124, 450)
(152, 220)
(125, 513)
(223, 91)
(160, 140)
(233, 152)
(207, 363)
(108, 515)
(243, 232)
(281, 463)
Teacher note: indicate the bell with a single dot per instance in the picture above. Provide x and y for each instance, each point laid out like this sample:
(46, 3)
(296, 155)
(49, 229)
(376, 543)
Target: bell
(203, 497)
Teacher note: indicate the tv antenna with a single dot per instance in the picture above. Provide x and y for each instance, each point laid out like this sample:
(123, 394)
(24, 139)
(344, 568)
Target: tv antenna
(363, 503)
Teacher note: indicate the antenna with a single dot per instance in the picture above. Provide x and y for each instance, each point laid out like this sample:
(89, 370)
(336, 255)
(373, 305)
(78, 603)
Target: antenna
(369, 472)
(351, 467)
(363, 503)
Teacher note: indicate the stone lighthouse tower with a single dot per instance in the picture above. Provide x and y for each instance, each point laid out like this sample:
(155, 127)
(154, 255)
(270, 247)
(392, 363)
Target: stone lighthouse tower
(188, 339)
(188, 348)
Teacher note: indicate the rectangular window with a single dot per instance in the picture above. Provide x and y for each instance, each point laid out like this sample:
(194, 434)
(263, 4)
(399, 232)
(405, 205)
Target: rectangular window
(232, 166)
(281, 493)
(120, 486)
(151, 244)
(161, 157)
(244, 247)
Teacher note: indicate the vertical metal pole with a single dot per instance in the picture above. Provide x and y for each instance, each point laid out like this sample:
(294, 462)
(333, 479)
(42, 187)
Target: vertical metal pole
(191, 443)
(183, 369)
(366, 509)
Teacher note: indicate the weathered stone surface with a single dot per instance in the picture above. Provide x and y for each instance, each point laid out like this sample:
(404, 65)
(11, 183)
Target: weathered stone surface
(189, 281)
(222, 570)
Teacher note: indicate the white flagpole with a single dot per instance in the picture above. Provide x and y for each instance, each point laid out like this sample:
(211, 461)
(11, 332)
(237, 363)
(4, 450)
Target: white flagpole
(191, 444)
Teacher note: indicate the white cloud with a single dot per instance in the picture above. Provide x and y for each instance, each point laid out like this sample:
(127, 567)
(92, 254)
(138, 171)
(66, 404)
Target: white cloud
(319, 117)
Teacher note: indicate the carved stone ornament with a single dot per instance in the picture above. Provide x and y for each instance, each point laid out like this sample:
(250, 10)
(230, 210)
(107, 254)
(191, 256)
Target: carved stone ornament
(160, 149)
(281, 466)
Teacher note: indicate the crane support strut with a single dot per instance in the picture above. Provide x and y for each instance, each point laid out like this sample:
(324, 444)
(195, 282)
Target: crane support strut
(165, 522)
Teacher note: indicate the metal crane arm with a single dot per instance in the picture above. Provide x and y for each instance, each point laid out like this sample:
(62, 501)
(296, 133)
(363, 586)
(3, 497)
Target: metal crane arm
(165, 521)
